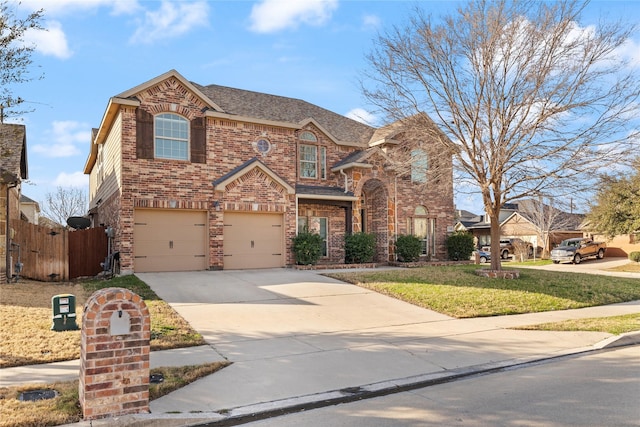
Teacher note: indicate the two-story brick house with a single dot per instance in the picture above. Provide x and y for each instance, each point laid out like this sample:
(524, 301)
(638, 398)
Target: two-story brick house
(198, 177)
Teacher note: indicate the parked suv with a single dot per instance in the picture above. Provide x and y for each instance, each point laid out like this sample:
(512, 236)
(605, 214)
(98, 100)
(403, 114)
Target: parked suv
(509, 247)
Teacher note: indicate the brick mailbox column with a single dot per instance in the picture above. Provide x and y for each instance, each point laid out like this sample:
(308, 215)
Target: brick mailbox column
(114, 355)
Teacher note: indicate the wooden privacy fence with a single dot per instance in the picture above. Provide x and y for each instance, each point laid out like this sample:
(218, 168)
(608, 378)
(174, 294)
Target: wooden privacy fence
(87, 249)
(57, 254)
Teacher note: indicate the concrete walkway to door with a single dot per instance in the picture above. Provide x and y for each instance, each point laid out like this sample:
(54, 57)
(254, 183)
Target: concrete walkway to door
(297, 336)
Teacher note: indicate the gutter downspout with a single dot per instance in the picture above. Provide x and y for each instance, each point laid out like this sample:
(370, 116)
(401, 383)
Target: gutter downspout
(346, 181)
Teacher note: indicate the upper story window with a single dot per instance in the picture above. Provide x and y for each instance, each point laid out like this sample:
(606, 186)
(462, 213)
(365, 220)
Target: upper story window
(308, 161)
(171, 137)
(419, 166)
(313, 162)
(313, 158)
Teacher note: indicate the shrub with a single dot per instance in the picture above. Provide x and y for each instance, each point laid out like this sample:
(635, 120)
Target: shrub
(307, 248)
(408, 248)
(460, 245)
(359, 248)
(635, 256)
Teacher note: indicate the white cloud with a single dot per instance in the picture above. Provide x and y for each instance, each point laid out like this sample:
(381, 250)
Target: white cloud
(171, 20)
(51, 42)
(362, 116)
(630, 51)
(74, 179)
(274, 15)
(64, 137)
(371, 22)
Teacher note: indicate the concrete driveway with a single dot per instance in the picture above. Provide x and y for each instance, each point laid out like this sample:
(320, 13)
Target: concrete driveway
(296, 333)
(589, 266)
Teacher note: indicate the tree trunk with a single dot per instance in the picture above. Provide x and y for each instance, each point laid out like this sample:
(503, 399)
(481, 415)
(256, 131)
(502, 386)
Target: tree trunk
(495, 241)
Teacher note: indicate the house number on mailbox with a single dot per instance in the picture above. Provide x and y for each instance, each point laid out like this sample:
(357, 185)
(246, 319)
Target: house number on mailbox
(120, 323)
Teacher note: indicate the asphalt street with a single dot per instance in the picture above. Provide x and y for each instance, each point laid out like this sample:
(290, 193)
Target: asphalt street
(598, 389)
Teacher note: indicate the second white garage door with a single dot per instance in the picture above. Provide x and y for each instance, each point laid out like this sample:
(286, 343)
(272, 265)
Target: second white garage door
(253, 240)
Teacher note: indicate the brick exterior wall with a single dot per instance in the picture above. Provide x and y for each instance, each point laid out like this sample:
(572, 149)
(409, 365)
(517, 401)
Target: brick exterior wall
(114, 359)
(185, 185)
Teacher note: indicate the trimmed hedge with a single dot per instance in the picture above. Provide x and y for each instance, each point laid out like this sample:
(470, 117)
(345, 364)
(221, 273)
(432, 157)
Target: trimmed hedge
(307, 248)
(460, 246)
(408, 248)
(359, 248)
(634, 256)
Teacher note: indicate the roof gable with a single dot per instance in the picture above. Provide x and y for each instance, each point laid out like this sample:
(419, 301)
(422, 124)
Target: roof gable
(13, 151)
(168, 75)
(221, 183)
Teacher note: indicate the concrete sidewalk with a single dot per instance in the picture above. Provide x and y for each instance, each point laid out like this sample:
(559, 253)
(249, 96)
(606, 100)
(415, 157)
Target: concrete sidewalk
(296, 338)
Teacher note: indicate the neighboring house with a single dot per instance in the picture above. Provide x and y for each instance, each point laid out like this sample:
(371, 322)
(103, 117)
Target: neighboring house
(196, 177)
(618, 246)
(521, 220)
(13, 169)
(29, 210)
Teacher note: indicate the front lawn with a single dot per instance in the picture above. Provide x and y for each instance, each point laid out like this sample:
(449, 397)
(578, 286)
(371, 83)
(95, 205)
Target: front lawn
(26, 335)
(458, 292)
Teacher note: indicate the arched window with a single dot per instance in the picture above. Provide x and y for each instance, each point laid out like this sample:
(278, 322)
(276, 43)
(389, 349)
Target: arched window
(308, 136)
(312, 158)
(424, 227)
(171, 137)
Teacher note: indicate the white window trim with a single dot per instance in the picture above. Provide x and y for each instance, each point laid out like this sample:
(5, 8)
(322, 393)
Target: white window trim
(314, 162)
(171, 138)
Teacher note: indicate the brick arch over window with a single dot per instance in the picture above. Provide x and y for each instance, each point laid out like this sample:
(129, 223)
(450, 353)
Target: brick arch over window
(145, 137)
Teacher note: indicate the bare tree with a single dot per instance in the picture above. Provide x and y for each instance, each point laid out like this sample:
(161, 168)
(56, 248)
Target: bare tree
(64, 203)
(527, 99)
(15, 55)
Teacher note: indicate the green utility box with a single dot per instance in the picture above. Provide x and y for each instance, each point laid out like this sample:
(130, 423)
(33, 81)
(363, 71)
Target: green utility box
(64, 313)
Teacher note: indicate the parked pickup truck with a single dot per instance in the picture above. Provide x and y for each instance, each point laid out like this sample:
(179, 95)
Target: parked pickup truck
(575, 250)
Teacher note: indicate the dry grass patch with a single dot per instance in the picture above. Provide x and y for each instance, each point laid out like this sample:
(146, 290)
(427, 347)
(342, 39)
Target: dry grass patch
(65, 408)
(631, 267)
(27, 337)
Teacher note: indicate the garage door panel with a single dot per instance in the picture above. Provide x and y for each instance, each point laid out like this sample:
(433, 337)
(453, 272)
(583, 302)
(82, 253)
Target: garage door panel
(170, 240)
(253, 240)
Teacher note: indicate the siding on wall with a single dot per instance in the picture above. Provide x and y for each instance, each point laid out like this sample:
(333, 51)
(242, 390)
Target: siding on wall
(112, 166)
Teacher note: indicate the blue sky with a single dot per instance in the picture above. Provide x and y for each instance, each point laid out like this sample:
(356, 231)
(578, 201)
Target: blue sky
(307, 49)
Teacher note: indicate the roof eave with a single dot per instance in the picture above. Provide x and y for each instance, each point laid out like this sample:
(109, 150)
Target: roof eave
(351, 165)
(105, 125)
(326, 197)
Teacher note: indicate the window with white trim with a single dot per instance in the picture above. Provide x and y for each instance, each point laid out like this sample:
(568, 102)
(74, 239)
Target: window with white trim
(171, 137)
(308, 161)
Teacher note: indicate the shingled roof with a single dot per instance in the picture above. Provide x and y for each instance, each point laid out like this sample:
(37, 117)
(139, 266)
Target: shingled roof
(13, 149)
(279, 108)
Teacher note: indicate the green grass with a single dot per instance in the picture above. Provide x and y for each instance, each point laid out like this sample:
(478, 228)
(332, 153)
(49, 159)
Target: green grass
(130, 282)
(457, 291)
(615, 325)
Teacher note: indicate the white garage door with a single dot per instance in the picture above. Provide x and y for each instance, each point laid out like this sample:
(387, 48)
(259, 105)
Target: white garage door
(253, 240)
(170, 240)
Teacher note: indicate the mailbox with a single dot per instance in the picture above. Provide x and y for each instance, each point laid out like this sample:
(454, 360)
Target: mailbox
(64, 313)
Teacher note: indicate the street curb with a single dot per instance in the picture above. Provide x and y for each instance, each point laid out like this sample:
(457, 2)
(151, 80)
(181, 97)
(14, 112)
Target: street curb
(264, 410)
